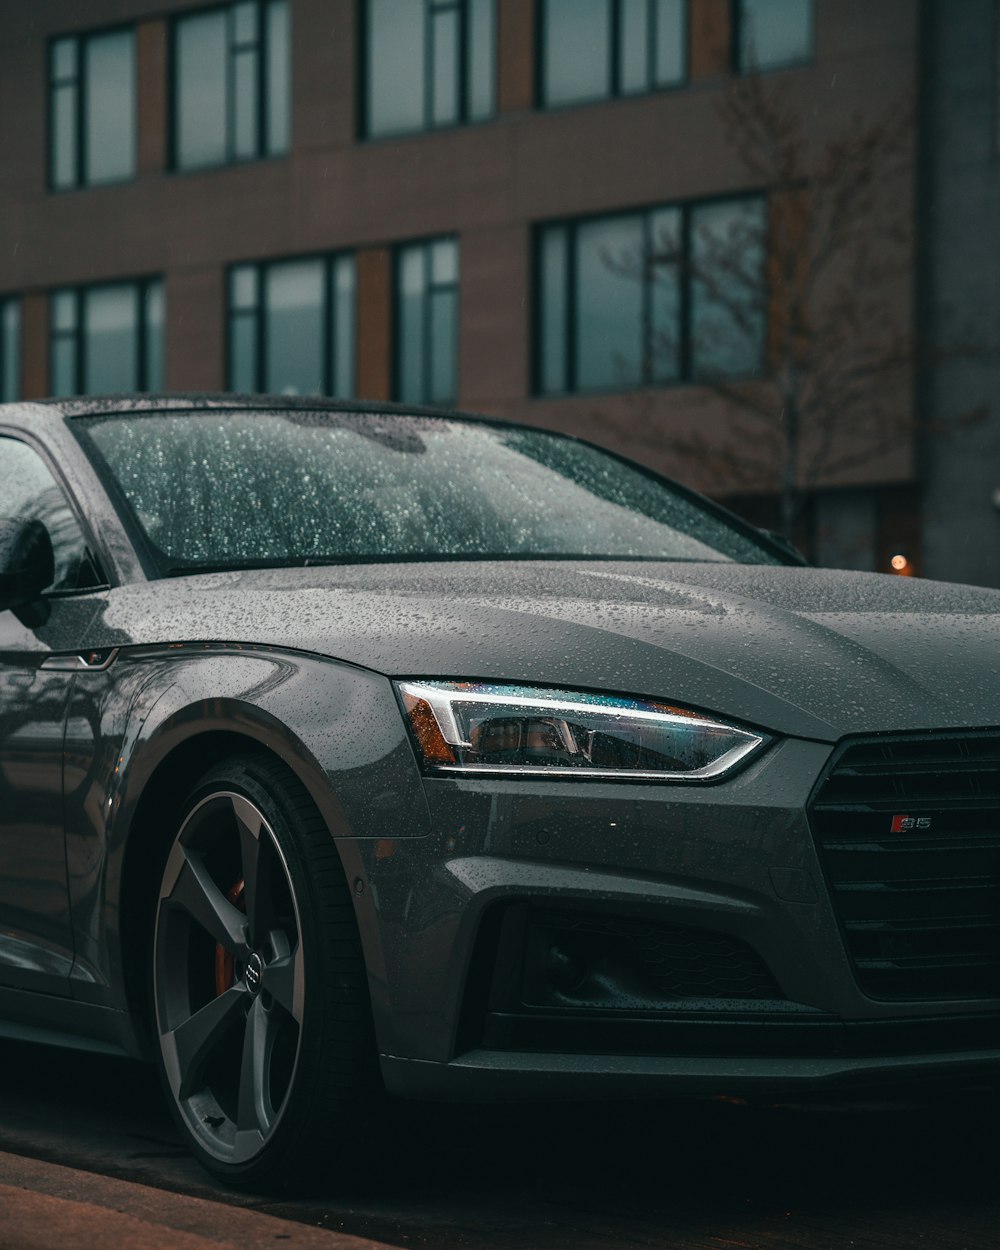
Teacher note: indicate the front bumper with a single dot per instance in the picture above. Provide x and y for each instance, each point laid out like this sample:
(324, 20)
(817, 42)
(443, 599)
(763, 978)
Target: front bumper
(734, 861)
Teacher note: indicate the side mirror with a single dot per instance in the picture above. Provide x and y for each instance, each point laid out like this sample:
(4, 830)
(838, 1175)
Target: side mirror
(27, 564)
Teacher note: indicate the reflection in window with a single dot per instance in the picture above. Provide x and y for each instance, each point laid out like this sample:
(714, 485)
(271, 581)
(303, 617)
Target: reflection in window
(92, 109)
(774, 33)
(658, 296)
(428, 63)
(427, 321)
(106, 338)
(10, 349)
(231, 84)
(292, 327)
(29, 492)
(593, 49)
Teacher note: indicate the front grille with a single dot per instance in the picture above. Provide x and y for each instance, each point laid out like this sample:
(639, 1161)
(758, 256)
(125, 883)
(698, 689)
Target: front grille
(908, 829)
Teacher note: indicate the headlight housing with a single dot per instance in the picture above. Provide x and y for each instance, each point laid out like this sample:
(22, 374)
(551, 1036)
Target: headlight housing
(506, 730)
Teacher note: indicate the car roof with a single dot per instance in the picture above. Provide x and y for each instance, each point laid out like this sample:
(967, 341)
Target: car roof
(93, 405)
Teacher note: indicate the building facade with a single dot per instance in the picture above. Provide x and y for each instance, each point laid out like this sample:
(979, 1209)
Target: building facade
(528, 208)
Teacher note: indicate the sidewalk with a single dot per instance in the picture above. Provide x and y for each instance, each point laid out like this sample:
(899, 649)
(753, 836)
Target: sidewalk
(44, 1206)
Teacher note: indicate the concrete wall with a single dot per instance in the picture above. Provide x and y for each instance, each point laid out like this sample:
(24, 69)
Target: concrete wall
(960, 197)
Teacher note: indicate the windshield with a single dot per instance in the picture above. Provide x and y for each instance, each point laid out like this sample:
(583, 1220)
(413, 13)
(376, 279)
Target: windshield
(236, 489)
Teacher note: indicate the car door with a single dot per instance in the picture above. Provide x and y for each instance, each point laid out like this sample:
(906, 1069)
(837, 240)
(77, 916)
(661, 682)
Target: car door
(36, 942)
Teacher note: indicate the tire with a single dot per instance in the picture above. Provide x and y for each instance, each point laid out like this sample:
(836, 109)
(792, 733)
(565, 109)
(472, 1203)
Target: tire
(260, 997)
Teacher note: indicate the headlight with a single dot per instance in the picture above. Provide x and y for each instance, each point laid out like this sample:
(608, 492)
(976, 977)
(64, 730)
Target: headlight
(475, 727)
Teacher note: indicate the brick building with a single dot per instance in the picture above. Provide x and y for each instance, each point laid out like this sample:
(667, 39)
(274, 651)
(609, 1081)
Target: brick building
(418, 200)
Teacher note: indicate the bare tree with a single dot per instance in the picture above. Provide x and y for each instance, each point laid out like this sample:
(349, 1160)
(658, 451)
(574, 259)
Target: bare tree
(815, 291)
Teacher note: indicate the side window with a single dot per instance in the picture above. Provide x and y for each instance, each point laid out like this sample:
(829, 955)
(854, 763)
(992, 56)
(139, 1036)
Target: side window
(29, 491)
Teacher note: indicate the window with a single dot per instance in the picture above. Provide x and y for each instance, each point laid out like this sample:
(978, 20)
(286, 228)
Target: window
(91, 109)
(427, 322)
(291, 327)
(593, 49)
(10, 349)
(772, 34)
(231, 84)
(428, 63)
(107, 338)
(663, 295)
(29, 492)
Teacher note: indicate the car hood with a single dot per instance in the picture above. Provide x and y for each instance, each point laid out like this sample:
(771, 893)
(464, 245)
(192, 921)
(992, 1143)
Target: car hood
(813, 652)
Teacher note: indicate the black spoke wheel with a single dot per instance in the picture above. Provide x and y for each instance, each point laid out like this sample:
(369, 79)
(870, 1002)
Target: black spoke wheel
(260, 1003)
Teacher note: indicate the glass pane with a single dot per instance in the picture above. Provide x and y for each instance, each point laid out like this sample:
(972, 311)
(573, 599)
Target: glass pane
(293, 328)
(63, 366)
(243, 352)
(64, 58)
(444, 24)
(443, 346)
(111, 338)
(62, 170)
(395, 63)
(64, 310)
(245, 22)
(633, 66)
(200, 100)
(663, 350)
(10, 360)
(554, 274)
(343, 326)
(671, 42)
(609, 310)
(775, 32)
(728, 299)
(444, 261)
(279, 93)
(109, 116)
(28, 490)
(241, 487)
(154, 337)
(412, 287)
(577, 50)
(481, 58)
(245, 68)
(243, 286)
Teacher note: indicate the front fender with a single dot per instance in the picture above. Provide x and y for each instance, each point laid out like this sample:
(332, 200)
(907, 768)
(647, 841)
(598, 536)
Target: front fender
(336, 727)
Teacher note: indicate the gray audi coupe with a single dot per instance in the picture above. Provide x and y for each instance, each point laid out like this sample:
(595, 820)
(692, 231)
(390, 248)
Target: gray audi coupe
(350, 748)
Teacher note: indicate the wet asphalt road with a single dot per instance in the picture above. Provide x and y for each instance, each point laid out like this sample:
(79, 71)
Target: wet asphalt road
(925, 1173)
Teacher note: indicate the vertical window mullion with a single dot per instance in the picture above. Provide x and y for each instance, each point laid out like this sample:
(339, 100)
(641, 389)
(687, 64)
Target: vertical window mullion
(572, 262)
(230, 72)
(81, 113)
(263, 36)
(615, 17)
(646, 314)
(462, 53)
(430, 68)
(329, 329)
(140, 336)
(684, 361)
(652, 43)
(261, 314)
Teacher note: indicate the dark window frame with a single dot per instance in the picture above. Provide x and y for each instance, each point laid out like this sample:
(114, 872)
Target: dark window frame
(614, 58)
(430, 287)
(429, 126)
(329, 261)
(686, 376)
(78, 81)
(736, 21)
(76, 334)
(234, 49)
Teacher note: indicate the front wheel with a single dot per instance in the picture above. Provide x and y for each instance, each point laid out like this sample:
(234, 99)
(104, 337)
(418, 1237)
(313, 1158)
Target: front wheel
(259, 991)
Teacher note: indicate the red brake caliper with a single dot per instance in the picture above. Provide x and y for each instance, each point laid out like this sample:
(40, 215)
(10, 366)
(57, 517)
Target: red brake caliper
(225, 973)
